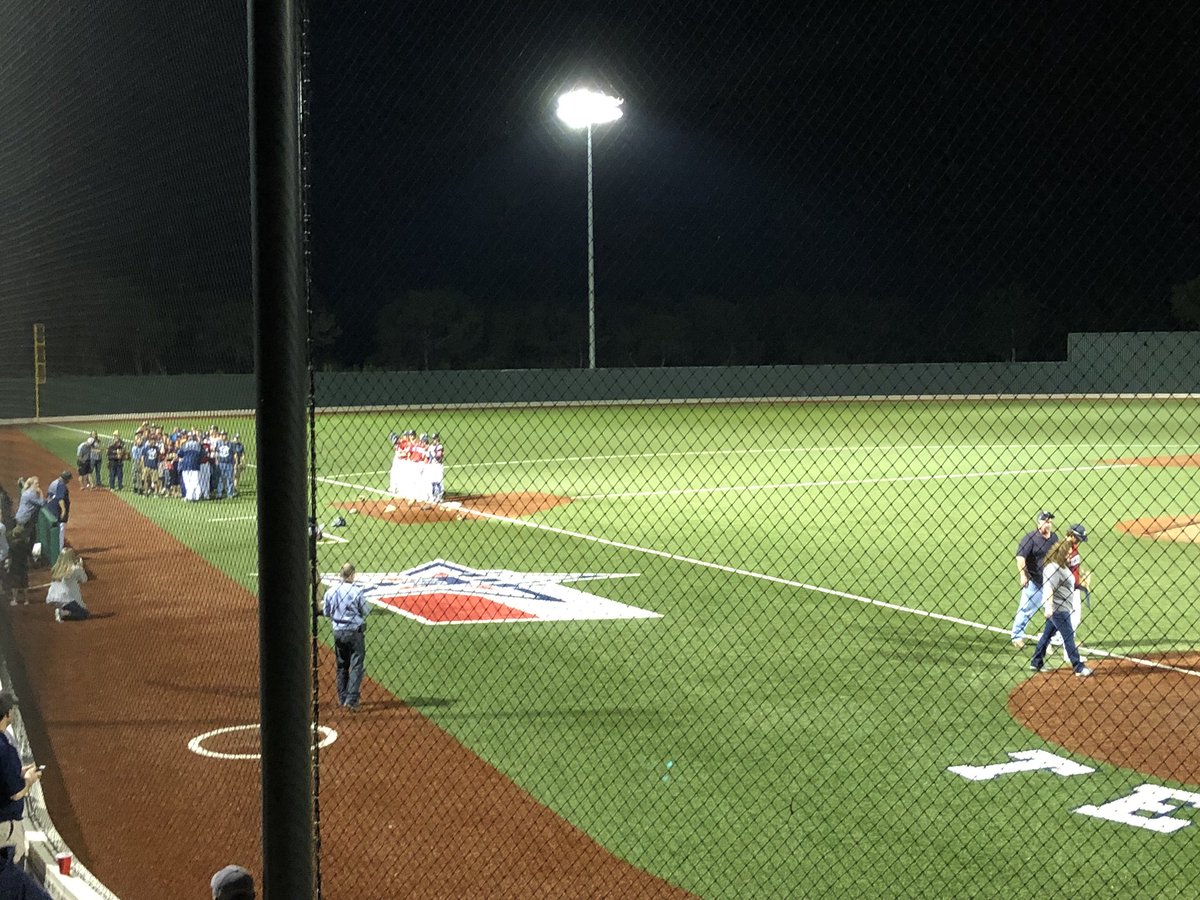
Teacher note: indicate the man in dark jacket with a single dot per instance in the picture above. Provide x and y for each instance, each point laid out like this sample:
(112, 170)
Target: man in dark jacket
(58, 504)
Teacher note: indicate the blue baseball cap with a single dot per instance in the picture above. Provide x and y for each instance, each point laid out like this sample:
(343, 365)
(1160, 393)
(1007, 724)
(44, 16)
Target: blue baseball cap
(1045, 516)
(1079, 531)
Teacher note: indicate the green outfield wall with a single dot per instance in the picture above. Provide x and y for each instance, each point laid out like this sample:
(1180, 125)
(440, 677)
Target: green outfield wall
(1111, 363)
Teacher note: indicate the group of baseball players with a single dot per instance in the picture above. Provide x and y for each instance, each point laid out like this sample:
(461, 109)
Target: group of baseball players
(185, 463)
(1052, 579)
(418, 467)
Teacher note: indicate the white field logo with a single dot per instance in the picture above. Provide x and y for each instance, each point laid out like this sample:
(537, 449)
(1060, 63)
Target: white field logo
(446, 593)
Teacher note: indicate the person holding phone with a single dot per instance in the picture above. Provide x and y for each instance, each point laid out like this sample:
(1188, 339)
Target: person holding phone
(16, 781)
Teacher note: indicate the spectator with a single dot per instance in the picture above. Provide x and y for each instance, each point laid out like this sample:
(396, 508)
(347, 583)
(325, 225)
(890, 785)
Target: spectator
(151, 455)
(20, 541)
(58, 504)
(4, 551)
(15, 783)
(233, 883)
(223, 452)
(83, 462)
(117, 454)
(65, 592)
(15, 884)
(238, 449)
(139, 446)
(31, 500)
(97, 461)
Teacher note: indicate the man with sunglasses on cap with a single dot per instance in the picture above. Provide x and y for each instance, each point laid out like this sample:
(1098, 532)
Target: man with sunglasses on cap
(1030, 551)
(1077, 535)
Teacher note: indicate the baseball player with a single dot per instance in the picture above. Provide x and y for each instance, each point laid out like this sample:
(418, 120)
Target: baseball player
(399, 444)
(435, 470)
(1030, 551)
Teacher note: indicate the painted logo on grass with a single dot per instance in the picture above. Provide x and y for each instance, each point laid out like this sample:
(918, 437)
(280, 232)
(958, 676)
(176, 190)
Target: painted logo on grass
(446, 593)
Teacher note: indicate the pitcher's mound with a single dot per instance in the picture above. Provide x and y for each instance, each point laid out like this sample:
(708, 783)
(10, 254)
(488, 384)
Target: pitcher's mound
(464, 507)
(1184, 529)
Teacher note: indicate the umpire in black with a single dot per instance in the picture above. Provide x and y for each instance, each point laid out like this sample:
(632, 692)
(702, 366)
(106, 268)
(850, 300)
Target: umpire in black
(345, 605)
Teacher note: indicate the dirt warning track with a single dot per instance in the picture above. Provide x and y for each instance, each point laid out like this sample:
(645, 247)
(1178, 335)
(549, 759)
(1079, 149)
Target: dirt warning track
(171, 654)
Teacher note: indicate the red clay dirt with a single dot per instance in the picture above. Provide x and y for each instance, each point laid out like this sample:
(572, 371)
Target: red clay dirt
(172, 652)
(1176, 460)
(457, 507)
(1164, 528)
(1130, 715)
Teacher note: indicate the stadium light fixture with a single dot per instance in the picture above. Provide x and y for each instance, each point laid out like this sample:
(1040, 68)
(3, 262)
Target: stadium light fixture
(583, 108)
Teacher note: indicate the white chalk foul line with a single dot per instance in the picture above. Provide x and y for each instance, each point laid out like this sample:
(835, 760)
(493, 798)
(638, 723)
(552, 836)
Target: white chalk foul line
(790, 582)
(886, 479)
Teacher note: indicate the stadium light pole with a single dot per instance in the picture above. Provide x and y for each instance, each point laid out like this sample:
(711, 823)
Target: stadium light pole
(583, 108)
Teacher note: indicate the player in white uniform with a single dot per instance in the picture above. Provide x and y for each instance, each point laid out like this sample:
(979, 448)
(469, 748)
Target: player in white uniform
(435, 470)
(400, 445)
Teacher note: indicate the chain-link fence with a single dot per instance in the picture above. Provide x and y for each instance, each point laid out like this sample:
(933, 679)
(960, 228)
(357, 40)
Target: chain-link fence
(701, 495)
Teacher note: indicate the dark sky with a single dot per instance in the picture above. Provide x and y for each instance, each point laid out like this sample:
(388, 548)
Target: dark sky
(902, 159)
(932, 151)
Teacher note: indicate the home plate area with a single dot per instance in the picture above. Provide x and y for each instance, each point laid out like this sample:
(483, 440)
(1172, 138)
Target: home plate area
(446, 593)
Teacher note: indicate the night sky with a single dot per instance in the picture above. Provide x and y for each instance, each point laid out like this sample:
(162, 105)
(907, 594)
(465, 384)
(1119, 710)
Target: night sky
(948, 176)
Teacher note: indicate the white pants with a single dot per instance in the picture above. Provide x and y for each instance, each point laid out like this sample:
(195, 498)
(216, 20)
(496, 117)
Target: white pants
(191, 484)
(12, 834)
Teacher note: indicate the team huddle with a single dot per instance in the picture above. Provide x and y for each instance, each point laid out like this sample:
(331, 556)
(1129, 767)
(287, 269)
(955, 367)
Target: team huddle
(417, 467)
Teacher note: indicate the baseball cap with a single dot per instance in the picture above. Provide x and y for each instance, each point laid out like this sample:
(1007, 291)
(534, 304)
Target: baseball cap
(1079, 531)
(65, 475)
(1045, 516)
(232, 883)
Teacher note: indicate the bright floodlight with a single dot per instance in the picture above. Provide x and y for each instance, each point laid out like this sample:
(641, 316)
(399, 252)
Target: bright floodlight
(583, 108)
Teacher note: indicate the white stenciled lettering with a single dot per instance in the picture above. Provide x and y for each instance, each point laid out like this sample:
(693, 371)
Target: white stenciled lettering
(1149, 807)
(1023, 761)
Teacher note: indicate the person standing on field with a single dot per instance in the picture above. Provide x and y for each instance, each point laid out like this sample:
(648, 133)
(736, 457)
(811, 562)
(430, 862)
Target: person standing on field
(189, 467)
(1030, 551)
(97, 455)
(345, 605)
(1077, 535)
(1058, 593)
(58, 504)
(238, 449)
(83, 462)
(116, 462)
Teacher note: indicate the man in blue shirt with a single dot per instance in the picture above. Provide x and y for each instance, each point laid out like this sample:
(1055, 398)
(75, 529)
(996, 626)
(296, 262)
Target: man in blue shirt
(1030, 551)
(222, 450)
(345, 606)
(58, 504)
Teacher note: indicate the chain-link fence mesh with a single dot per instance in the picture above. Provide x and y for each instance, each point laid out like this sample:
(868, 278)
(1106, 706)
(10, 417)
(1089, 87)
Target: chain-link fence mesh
(747, 610)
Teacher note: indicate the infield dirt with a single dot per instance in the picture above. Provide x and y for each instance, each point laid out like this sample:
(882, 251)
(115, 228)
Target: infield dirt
(172, 653)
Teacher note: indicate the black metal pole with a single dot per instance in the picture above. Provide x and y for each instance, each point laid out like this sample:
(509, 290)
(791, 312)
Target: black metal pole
(285, 683)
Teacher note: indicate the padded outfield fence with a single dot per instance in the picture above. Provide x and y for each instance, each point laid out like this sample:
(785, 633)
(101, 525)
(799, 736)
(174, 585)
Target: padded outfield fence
(730, 615)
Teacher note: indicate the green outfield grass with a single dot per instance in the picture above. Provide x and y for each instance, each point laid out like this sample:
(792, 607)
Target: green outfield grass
(777, 732)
